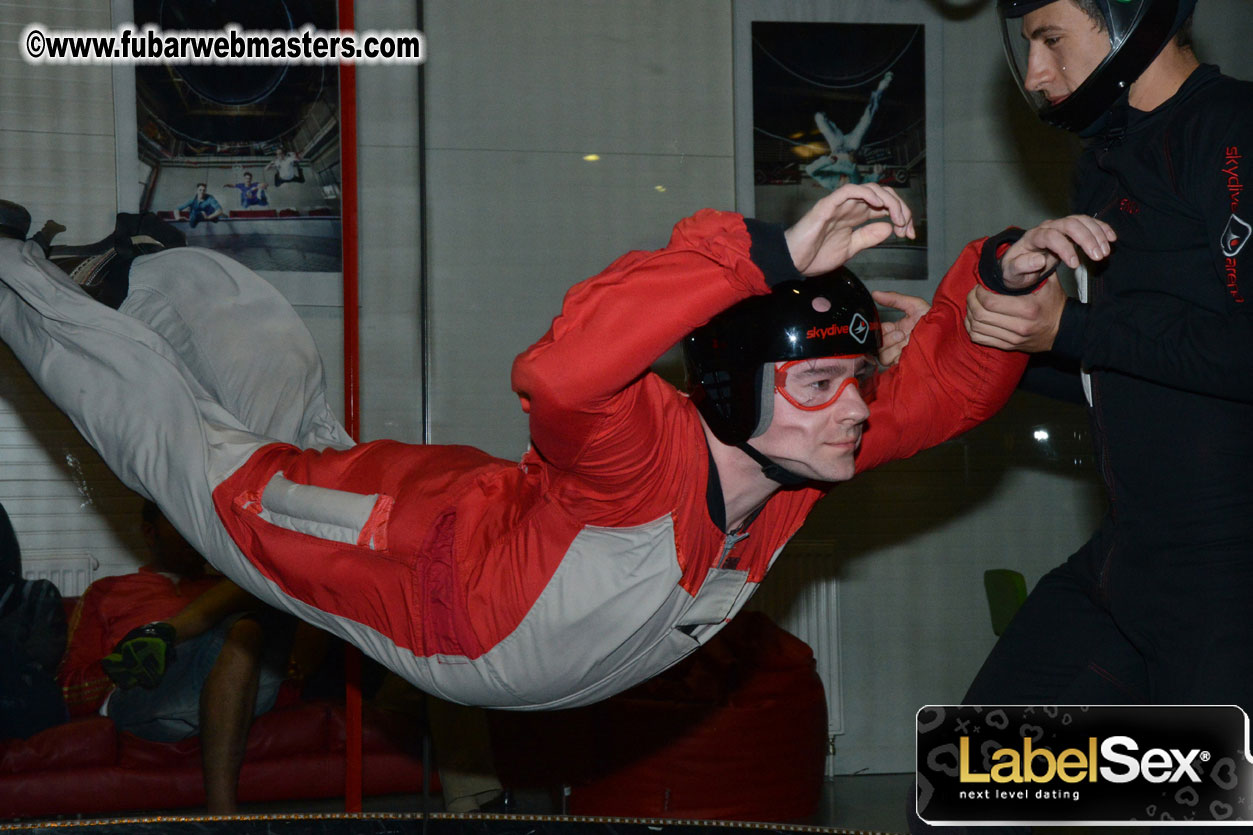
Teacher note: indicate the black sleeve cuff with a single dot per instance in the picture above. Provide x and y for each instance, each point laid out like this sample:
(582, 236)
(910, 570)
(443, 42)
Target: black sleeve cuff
(1071, 329)
(770, 253)
(990, 274)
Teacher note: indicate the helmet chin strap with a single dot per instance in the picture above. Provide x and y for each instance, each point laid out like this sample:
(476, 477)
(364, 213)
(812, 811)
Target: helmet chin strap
(773, 470)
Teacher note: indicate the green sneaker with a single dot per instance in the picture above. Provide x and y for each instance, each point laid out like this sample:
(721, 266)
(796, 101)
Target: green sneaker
(140, 659)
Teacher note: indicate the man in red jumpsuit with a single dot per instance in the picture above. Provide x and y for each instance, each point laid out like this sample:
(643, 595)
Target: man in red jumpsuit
(636, 525)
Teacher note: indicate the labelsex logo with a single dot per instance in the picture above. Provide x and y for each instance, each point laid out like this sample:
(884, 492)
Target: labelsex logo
(1039, 765)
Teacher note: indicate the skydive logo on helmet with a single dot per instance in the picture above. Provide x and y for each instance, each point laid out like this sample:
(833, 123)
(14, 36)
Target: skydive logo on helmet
(857, 328)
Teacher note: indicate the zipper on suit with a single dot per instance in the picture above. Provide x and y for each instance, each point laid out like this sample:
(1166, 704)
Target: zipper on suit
(728, 545)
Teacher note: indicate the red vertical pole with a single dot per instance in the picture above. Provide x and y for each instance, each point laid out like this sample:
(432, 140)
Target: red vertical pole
(352, 382)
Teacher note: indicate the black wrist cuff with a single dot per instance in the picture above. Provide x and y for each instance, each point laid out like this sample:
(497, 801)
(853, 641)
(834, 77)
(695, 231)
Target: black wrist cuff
(990, 264)
(770, 253)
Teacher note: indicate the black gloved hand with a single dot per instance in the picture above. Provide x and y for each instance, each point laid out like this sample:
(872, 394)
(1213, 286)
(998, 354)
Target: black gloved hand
(140, 659)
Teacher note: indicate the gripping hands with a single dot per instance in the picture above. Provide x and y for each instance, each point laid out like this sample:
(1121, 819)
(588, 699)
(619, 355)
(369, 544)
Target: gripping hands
(1030, 323)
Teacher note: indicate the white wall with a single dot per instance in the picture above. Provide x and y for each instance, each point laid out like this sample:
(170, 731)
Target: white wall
(390, 251)
(519, 93)
(57, 158)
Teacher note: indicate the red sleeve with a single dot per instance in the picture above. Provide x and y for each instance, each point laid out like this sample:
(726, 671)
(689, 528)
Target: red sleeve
(83, 682)
(944, 384)
(613, 326)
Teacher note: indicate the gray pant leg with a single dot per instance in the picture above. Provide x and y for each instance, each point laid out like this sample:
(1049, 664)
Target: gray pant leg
(242, 341)
(130, 396)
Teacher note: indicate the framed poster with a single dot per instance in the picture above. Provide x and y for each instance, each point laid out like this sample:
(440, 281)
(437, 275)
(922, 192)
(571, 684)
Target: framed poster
(838, 103)
(243, 158)
(821, 103)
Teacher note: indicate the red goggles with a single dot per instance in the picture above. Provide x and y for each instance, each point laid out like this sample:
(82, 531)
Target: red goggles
(814, 384)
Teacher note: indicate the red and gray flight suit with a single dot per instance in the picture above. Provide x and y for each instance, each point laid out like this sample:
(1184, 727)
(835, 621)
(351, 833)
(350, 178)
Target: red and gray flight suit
(589, 566)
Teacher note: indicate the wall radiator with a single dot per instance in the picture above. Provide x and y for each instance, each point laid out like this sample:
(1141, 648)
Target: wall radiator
(70, 573)
(801, 594)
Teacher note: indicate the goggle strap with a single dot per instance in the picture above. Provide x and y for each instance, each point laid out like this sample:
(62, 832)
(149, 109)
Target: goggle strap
(773, 470)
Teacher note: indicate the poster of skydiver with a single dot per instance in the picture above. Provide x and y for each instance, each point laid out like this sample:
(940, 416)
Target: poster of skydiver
(837, 103)
(244, 159)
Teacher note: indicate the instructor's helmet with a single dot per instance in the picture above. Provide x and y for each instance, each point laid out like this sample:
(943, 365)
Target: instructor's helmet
(825, 316)
(1137, 30)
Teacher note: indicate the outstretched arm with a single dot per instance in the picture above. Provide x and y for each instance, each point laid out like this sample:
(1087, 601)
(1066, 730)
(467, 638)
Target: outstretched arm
(1166, 340)
(839, 226)
(943, 384)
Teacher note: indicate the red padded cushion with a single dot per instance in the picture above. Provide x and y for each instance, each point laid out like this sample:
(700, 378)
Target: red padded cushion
(290, 731)
(89, 741)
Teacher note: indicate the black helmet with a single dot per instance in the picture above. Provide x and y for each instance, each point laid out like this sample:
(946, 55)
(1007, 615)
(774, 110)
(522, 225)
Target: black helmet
(825, 316)
(1137, 30)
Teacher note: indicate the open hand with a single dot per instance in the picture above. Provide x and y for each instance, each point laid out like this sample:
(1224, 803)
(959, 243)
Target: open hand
(839, 226)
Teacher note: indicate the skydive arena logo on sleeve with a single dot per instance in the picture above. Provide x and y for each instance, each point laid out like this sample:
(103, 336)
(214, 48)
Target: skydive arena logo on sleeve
(1095, 765)
(1236, 234)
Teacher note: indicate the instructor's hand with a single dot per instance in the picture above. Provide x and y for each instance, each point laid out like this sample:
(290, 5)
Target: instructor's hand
(1037, 253)
(1015, 323)
(838, 226)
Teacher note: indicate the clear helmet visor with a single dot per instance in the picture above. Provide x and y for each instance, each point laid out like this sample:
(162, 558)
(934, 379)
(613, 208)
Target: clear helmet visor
(1072, 67)
(1052, 48)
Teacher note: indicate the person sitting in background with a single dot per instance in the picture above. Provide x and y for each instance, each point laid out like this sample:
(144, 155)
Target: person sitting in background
(250, 193)
(459, 734)
(172, 651)
(200, 206)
